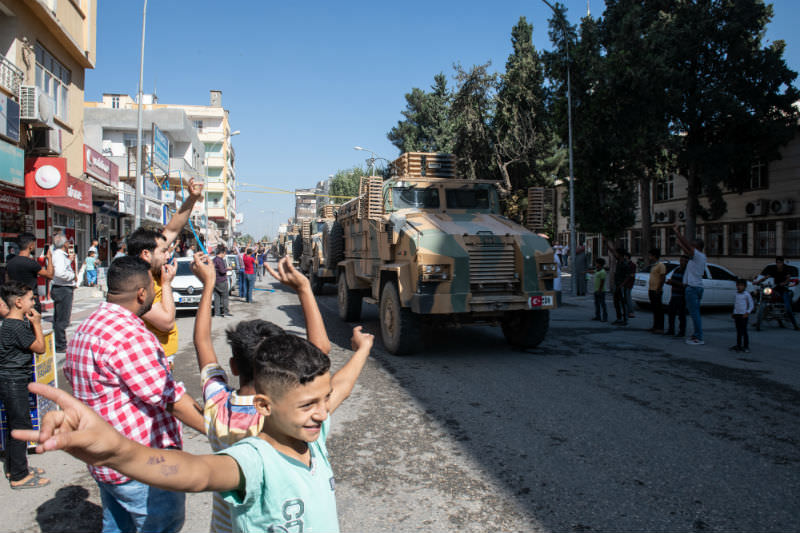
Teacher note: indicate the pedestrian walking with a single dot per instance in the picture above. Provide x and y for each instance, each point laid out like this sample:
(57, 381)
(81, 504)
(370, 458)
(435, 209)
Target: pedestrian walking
(62, 289)
(695, 269)
(677, 302)
(600, 274)
(20, 337)
(25, 269)
(629, 281)
(658, 271)
(117, 367)
(91, 269)
(742, 307)
(221, 304)
(621, 268)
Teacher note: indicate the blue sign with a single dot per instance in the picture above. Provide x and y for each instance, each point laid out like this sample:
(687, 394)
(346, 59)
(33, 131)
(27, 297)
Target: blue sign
(9, 128)
(12, 164)
(160, 149)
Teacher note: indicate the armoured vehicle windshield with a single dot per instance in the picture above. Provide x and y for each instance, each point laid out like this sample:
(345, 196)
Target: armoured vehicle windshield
(415, 197)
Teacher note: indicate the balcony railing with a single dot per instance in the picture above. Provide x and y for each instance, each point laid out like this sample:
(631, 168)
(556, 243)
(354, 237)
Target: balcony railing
(11, 76)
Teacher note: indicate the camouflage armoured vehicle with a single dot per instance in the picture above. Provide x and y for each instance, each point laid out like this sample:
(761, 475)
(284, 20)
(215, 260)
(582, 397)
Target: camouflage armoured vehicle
(319, 251)
(432, 249)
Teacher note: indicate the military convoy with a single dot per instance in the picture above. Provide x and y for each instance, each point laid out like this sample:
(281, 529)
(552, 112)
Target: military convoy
(318, 253)
(432, 249)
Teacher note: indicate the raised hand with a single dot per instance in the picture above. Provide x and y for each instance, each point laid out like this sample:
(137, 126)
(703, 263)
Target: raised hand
(361, 340)
(288, 275)
(203, 268)
(168, 273)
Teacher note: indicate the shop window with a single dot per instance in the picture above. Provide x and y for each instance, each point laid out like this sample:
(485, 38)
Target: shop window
(738, 239)
(791, 238)
(765, 239)
(715, 239)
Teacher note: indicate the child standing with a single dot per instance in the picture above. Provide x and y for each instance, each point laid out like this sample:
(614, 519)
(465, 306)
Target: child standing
(91, 268)
(20, 336)
(742, 307)
(600, 310)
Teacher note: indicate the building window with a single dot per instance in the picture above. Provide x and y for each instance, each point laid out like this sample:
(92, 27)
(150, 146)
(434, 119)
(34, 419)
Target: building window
(665, 189)
(758, 176)
(738, 239)
(53, 79)
(198, 125)
(115, 102)
(715, 239)
(765, 239)
(655, 238)
(791, 238)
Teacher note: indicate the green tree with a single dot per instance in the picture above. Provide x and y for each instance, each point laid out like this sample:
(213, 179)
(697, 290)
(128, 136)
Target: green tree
(427, 126)
(345, 183)
(472, 113)
(729, 97)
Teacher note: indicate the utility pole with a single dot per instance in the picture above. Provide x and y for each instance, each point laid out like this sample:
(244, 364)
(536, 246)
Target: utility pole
(137, 220)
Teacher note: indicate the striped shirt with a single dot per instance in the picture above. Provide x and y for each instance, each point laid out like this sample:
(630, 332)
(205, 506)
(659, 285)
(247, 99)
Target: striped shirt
(117, 367)
(229, 418)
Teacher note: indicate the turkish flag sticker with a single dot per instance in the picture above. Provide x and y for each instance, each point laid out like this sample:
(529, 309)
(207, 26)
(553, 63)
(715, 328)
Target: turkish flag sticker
(45, 177)
(534, 301)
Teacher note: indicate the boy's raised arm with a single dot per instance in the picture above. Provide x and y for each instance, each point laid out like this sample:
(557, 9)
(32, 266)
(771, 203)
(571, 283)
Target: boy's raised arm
(315, 327)
(81, 432)
(345, 379)
(203, 268)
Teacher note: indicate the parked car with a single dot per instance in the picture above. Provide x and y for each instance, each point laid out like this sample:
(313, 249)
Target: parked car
(186, 287)
(719, 286)
(794, 280)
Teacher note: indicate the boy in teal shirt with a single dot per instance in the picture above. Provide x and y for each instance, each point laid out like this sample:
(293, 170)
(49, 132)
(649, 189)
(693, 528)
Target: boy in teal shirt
(278, 480)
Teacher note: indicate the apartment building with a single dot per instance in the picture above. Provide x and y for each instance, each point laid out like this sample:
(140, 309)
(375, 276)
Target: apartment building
(45, 48)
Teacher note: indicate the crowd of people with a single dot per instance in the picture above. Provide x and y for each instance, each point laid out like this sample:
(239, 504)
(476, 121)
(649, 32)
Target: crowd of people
(125, 418)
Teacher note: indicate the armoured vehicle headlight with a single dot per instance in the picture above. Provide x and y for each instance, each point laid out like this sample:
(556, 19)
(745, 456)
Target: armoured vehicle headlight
(768, 291)
(434, 272)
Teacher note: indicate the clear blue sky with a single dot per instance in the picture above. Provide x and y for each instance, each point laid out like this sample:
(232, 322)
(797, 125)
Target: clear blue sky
(305, 82)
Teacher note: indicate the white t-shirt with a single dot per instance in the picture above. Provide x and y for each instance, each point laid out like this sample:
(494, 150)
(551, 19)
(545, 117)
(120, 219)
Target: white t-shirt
(695, 269)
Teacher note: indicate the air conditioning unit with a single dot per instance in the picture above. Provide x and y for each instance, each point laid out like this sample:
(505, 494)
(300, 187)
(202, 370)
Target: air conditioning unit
(758, 208)
(36, 107)
(781, 207)
(663, 217)
(46, 141)
(682, 215)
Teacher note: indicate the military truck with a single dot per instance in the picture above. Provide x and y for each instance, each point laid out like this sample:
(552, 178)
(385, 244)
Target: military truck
(319, 251)
(432, 249)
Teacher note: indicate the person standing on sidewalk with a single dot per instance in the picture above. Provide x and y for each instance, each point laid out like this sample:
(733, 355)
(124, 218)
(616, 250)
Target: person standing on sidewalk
(62, 290)
(117, 367)
(695, 269)
(221, 308)
(25, 269)
(249, 274)
(742, 307)
(620, 275)
(677, 302)
(658, 271)
(600, 310)
(579, 270)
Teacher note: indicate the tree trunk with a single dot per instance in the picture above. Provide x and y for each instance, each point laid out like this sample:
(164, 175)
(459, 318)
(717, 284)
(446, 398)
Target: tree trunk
(691, 203)
(644, 211)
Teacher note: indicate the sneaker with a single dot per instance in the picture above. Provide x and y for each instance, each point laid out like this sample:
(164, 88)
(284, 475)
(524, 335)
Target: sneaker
(694, 341)
(735, 348)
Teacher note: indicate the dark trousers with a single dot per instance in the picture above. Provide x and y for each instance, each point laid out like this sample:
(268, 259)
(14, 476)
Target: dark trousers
(621, 304)
(600, 310)
(658, 309)
(62, 311)
(742, 339)
(240, 279)
(14, 395)
(677, 307)
(249, 283)
(221, 298)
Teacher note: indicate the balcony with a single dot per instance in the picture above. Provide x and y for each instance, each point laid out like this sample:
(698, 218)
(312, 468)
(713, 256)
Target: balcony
(10, 76)
(216, 212)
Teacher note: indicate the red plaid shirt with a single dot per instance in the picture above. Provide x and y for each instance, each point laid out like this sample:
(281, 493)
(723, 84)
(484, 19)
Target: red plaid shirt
(118, 368)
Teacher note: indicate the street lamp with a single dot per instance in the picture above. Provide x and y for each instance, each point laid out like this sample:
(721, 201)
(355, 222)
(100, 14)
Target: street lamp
(137, 215)
(561, 22)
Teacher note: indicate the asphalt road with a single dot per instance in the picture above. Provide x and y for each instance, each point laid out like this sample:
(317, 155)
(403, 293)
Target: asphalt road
(599, 429)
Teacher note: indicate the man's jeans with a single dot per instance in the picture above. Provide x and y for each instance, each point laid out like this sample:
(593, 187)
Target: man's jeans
(600, 310)
(134, 506)
(14, 395)
(693, 296)
(787, 303)
(62, 311)
(221, 298)
(249, 283)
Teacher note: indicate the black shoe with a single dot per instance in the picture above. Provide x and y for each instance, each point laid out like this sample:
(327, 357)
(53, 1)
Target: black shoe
(227, 314)
(596, 318)
(669, 332)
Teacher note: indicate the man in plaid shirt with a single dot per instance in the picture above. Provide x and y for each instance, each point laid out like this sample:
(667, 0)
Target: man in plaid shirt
(118, 368)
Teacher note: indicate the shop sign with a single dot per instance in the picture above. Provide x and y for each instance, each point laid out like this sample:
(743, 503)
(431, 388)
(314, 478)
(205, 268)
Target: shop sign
(45, 177)
(160, 149)
(168, 197)
(126, 199)
(12, 164)
(9, 118)
(100, 167)
(151, 190)
(78, 197)
(152, 211)
(9, 202)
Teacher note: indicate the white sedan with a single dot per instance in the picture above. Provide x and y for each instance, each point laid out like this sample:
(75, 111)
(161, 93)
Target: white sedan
(719, 286)
(186, 288)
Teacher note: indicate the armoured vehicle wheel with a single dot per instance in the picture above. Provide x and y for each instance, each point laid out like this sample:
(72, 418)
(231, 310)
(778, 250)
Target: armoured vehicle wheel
(349, 300)
(400, 328)
(333, 242)
(297, 247)
(316, 282)
(526, 329)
